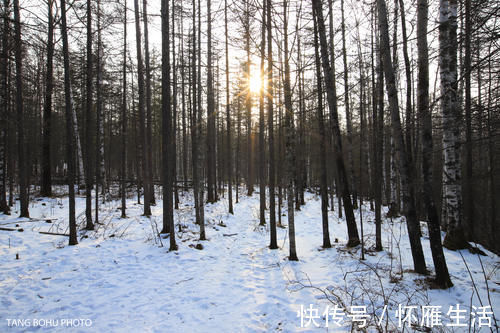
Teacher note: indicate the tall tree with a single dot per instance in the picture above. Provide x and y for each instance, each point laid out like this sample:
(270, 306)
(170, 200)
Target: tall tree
(322, 144)
(211, 135)
(123, 169)
(46, 188)
(289, 141)
(70, 139)
(148, 151)
(452, 115)
(442, 275)
(4, 59)
(142, 125)
(22, 162)
(228, 119)
(270, 124)
(262, 149)
(88, 122)
(343, 181)
(348, 115)
(406, 169)
(167, 136)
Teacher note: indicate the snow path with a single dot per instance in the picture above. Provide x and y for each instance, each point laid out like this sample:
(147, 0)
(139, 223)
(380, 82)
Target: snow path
(235, 284)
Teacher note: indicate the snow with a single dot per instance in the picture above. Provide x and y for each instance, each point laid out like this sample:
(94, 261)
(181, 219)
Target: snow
(119, 278)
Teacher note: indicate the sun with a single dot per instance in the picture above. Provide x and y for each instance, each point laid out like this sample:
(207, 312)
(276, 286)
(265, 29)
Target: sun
(255, 82)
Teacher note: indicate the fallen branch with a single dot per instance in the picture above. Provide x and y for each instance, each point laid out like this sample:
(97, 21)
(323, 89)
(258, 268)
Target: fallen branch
(52, 233)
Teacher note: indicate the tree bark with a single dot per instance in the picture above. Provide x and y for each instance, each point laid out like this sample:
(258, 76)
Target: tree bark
(343, 181)
(22, 162)
(442, 275)
(69, 126)
(270, 123)
(405, 168)
(322, 144)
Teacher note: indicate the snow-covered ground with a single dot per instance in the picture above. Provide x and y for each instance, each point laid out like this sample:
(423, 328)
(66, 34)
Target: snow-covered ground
(120, 279)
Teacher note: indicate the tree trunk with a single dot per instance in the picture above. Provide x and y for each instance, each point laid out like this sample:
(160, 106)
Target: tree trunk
(167, 137)
(69, 125)
(451, 114)
(262, 149)
(322, 144)
(228, 119)
(343, 181)
(4, 109)
(46, 189)
(148, 149)
(442, 275)
(270, 120)
(211, 135)
(405, 168)
(23, 176)
(348, 115)
(123, 167)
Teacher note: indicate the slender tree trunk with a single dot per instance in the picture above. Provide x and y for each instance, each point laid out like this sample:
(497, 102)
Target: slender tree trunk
(88, 122)
(442, 275)
(468, 190)
(348, 114)
(46, 189)
(270, 96)
(148, 149)
(322, 144)
(378, 128)
(211, 135)
(23, 176)
(69, 125)
(123, 167)
(142, 126)
(167, 135)
(100, 170)
(406, 170)
(455, 238)
(194, 127)
(262, 149)
(289, 133)
(248, 103)
(174, 116)
(343, 181)
(228, 119)
(4, 109)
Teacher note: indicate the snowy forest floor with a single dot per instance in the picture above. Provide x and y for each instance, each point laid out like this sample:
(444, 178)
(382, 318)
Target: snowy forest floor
(121, 279)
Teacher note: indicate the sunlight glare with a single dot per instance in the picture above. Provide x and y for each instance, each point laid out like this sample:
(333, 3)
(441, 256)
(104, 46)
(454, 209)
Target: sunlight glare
(255, 82)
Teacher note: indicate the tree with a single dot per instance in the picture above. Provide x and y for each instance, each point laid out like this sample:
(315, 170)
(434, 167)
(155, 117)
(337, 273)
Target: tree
(142, 125)
(211, 135)
(4, 59)
(451, 113)
(22, 163)
(88, 118)
(442, 275)
(228, 119)
(168, 218)
(70, 144)
(123, 169)
(322, 144)
(343, 181)
(46, 188)
(149, 141)
(348, 115)
(270, 125)
(289, 141)
(262, 149)
(407, 176)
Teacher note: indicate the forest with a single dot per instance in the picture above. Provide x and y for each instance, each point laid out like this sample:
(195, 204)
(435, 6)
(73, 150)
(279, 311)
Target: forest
(250, 165)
